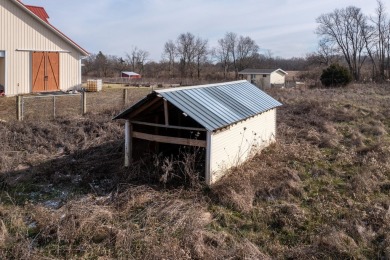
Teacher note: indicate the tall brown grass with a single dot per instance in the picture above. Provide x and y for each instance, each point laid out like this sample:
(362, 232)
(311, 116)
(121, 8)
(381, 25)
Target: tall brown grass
(322, 191)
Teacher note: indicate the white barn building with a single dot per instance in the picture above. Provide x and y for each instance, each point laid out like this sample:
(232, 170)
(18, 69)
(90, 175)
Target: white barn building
(34, 55)
(264, 78)
(230, 121)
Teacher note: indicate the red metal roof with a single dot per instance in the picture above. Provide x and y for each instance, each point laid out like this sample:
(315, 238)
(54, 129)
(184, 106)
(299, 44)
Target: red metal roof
(39, 11)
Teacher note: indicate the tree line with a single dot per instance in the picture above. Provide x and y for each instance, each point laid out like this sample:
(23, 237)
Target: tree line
(190, 56)
(349, 36)
(346, 36)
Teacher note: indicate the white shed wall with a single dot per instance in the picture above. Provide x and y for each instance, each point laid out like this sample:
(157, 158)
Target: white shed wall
(277, 78)
(239, 142)
(19, 30)
(263, 82)
(259, 80)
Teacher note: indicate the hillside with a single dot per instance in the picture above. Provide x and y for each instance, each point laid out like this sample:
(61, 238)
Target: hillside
(322, 191)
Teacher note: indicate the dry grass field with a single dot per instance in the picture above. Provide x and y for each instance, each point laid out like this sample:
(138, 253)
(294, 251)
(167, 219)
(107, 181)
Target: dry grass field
(322, 191)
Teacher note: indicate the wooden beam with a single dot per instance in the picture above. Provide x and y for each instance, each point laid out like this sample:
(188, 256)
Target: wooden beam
(166, 112)
(125, 96)
(128, 144)
(169, 139)
(83, 103)
(208, 158)
(19, 112)
(143, 108)
(170, 126)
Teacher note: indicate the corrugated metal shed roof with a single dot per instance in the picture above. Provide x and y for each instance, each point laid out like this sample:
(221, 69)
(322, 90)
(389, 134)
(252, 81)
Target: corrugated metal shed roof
(260, 71)
(216, 106)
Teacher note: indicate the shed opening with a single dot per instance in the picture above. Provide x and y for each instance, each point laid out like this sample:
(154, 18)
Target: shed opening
(161, 132)
(2, 73)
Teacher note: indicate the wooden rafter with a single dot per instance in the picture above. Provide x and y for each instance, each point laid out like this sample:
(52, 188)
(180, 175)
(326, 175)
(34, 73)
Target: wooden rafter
(169, 139)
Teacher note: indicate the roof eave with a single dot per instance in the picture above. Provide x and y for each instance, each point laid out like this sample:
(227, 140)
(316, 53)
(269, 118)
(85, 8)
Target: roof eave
(124, 113)
(249, 73)
(52, 28)
(282, 71)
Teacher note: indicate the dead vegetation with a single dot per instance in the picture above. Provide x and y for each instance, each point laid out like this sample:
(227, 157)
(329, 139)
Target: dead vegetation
(322, 191)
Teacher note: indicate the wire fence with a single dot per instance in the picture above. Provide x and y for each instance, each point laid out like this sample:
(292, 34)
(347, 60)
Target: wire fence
(51, 106)
(46, 107)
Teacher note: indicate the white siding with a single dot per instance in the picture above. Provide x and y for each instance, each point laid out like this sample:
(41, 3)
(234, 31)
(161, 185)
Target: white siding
(233, 146)
(277, 77)
(263, 80)
(258, 79)
(19, 30)
(247, 77)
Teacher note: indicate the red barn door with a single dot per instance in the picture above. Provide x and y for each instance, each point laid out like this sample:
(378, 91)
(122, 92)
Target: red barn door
(45, 71)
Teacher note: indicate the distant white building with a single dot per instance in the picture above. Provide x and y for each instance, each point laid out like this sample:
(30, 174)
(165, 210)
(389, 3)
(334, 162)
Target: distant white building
(264, 78)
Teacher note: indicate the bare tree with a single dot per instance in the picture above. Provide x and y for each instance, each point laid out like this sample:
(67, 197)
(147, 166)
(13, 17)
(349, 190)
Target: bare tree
(246, 52)
(136, 59)
(89, 64)
(201, 52)
(231, 40)
(186, 49)
(326, 54)
(377, 41)
(170, 53)
(222, 53)
(345, 28)
(236, 52)
(102, 65)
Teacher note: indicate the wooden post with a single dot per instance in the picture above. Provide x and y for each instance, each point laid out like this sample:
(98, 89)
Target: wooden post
(208, 172)
(19, 113)
(166, 112)
(128, 143)
(54, 107)
(125, 95)
(84, 102)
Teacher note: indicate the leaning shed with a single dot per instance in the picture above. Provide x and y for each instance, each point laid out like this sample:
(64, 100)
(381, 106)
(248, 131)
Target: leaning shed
(231, 121)
(34, 55)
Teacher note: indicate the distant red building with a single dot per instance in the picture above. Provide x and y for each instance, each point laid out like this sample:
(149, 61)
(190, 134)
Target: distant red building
(130, 74)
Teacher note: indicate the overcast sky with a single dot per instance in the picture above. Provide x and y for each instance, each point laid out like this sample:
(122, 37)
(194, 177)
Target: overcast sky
(284, 27)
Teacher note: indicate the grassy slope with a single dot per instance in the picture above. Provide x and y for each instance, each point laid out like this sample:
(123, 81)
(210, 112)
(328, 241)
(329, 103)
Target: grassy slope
(322, 191)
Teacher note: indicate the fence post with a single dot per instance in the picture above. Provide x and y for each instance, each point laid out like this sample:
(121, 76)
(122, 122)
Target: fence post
(125, 93)
(19, 112)
(84, 102)
(54, 107)
(128, 143)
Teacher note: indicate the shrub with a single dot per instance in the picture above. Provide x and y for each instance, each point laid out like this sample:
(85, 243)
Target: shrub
(335, 76)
